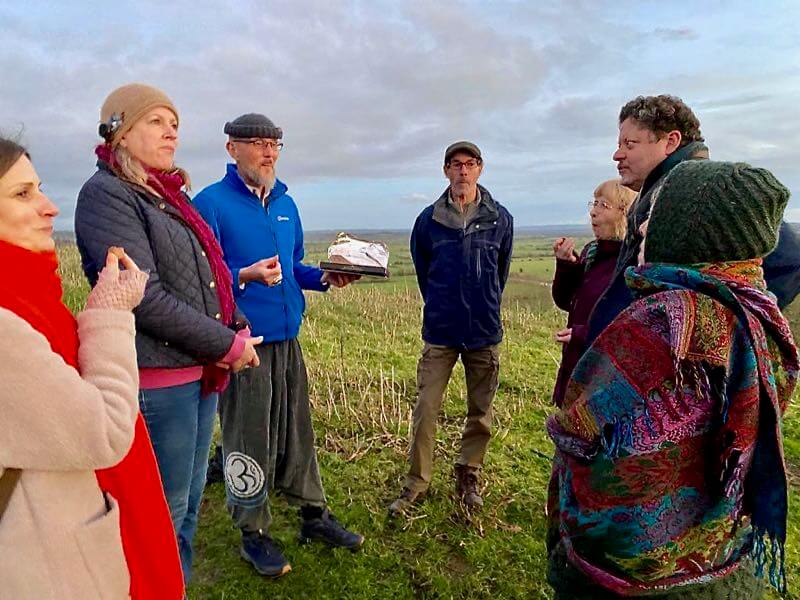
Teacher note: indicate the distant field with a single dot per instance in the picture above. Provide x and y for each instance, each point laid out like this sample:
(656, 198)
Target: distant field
(361, 346)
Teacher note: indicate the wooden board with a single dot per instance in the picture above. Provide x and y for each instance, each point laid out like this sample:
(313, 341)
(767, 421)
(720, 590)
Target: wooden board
(335, 267)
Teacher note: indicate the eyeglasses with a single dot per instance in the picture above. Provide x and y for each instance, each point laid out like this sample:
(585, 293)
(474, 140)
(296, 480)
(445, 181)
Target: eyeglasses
(470, 164)
(594, 203)
(262, 145)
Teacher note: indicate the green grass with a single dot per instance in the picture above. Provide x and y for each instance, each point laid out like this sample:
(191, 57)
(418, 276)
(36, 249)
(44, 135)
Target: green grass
(361, 345)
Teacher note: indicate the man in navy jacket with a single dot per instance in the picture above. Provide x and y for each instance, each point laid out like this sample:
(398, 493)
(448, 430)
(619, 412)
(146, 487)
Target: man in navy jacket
(461, 248)
(267, 435)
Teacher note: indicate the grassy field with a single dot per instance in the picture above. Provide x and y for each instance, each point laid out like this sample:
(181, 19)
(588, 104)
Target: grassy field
(361, 346)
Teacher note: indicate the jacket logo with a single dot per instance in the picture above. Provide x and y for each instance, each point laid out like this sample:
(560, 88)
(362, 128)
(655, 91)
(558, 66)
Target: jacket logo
(282, 218)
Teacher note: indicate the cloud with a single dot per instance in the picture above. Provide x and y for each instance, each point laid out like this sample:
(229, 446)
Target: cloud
(675, 33)
(417, 198)
(732, 101)
(370, 93)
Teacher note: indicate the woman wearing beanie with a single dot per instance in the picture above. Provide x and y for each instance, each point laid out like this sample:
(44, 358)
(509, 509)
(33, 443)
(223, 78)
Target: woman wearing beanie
(581, 279)
(669, 457)
(69, 410)
(187, 323)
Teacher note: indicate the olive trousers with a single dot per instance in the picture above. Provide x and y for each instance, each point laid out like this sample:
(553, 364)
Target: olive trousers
(481, 368)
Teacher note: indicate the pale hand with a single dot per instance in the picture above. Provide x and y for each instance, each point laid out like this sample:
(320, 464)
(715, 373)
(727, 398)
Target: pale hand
(117, 288)
(339, 280)
(249, 357)
(266, 270)
(564, 249)
(564, 336)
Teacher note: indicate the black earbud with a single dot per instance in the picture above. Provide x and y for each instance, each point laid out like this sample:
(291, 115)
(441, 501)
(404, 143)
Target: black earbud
(106, 130)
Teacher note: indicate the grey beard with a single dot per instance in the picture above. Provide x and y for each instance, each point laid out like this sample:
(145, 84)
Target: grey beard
(255, 178)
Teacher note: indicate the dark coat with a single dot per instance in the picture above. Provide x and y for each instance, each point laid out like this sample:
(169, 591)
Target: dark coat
(617, 297)
(177, 322)
(576, 288)
(782, 266)
(461, 271)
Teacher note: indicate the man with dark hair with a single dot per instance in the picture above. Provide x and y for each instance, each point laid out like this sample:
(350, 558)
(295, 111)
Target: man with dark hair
(267, 434)
(656, 133)
(461, 248)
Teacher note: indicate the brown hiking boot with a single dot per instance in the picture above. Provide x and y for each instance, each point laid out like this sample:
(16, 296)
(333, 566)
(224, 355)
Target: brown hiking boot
(405, 501)
(467, 488)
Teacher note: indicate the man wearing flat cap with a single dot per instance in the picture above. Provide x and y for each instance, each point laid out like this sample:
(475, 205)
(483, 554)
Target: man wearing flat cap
(267, 435)
(461, 247)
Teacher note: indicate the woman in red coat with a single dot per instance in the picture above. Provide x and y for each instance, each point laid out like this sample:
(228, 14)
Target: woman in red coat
(85, 516)
(580, 279)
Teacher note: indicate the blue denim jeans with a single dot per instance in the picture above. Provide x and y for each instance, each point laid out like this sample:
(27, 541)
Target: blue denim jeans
(180, 423)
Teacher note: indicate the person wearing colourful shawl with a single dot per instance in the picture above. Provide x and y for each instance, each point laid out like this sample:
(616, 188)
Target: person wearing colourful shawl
(670, 479)
(82, 514)
(189, 333)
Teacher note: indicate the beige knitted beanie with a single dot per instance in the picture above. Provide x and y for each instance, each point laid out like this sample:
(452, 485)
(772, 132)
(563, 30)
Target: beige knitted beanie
(126, 105)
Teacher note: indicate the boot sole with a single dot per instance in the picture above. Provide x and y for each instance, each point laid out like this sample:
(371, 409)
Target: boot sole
(307, 540)
(271, 574)
(471, 506)
(421, 497)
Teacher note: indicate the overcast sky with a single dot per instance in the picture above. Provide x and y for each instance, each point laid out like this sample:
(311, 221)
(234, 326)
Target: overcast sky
(370, 93)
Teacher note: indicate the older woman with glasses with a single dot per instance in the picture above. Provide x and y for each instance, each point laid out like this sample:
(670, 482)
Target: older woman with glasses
(189, 333)
(580, 279)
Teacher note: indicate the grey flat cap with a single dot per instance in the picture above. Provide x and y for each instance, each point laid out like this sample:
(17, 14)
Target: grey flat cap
(253, 125)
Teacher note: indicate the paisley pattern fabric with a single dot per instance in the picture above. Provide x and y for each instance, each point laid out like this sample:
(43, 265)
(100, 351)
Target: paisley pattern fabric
(669, 462)
(589, 254)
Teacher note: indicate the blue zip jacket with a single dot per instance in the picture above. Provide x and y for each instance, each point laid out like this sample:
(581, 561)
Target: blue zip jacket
(249, 232)
(461, 272)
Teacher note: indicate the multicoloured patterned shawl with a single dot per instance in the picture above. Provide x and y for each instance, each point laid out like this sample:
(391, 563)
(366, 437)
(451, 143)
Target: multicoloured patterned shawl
(669, 453)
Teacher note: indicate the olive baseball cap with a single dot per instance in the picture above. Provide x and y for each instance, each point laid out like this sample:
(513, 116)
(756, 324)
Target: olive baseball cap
(462, 146)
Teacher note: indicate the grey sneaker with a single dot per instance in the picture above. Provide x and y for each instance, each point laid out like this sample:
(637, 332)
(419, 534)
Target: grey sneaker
(405, 501)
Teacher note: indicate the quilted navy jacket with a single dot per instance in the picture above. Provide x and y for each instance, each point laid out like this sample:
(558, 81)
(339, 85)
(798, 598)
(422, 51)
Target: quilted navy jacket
(461, 272)
(178, 321)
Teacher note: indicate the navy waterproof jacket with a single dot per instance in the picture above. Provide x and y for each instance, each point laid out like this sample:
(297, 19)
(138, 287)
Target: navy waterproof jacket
(249, 231)
(461, 272)
(782, 265)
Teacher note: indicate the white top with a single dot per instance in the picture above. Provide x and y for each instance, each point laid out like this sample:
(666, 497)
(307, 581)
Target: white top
(350, 250)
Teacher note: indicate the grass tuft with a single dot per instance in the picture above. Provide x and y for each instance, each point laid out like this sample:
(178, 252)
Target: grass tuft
(361, 346)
